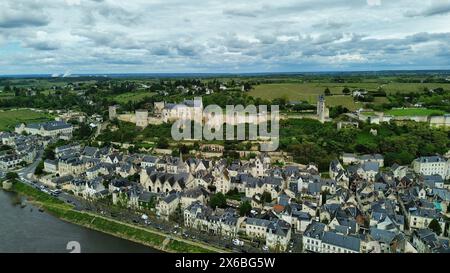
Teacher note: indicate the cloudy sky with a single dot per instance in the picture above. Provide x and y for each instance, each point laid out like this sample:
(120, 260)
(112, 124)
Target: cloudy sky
(116, 36)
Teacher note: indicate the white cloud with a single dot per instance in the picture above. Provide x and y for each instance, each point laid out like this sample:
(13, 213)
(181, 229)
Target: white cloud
(374, 2)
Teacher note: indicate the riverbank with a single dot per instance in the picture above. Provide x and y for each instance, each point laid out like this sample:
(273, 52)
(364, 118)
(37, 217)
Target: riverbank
(145, 236)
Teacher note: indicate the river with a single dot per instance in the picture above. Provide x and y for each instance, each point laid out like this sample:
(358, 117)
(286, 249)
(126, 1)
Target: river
(27, 230)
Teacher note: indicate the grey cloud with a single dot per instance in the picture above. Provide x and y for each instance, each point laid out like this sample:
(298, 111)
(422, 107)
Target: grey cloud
(20, 19)
(200, 35)
(331, 25)
(435, 9)
(328, 38)
(239, 13)
(43, 45)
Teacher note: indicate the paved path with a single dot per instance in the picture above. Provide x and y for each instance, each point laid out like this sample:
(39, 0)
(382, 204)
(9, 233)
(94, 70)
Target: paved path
(166, 241)
(194, 243)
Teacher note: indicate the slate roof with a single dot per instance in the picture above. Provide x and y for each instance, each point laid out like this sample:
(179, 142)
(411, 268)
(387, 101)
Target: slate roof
(381, 235)
(257, 222)
(347, 242)
(50, 126)
(315, 230)
(370, 166)
(430, 159)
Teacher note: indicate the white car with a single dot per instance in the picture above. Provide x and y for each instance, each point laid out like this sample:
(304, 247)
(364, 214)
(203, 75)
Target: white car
(238, 242)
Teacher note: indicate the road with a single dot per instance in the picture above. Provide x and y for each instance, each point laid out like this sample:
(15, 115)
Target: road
(27, 172)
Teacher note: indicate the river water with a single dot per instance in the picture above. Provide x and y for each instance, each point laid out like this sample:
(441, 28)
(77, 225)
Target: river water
(29, 230)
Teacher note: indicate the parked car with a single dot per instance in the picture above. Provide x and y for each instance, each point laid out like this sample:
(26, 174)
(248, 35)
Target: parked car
(238, 242)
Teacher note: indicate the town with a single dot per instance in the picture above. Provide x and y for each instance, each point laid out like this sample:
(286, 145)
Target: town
(259, 202)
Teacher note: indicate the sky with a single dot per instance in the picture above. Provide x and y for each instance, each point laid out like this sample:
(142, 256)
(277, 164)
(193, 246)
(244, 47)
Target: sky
(202, 36)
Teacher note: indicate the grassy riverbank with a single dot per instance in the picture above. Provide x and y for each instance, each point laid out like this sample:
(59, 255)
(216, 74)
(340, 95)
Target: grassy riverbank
(145, 236)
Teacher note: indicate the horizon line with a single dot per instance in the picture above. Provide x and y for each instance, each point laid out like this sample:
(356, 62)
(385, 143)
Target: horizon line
(63, 75)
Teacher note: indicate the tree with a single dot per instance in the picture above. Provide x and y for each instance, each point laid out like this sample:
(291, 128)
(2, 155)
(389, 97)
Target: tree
(49, 153)
(324, 197)
(266, 197)
(12, 176)
(327, 92)
(434, 226)
(337, 111)
(84, 131)
(7, 88)
(39, 168)
(177, 215)
(218, 200)
(346, 91)
(245, 208)
(162, 143)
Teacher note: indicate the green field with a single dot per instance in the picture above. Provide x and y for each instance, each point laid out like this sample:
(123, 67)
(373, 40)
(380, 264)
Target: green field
(310, 91)
(132, 96)
(10, 118)
(414, 112)
(5, 95)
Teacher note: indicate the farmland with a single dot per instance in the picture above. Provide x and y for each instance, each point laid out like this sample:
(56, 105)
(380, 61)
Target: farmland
(414, 112)
(132, 96)
(310, 91)
(10, 118)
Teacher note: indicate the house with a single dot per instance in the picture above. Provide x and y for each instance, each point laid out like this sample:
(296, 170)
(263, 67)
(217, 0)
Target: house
(94, 189)
(9, 161)
(312, 237)
(197, 194)
(256, 228)
(390, 242)
(148, 161)
(51, 129)
(399, 171)
(167, 205)
(125, 169)
(201, 217)
(348, 159)
(156, 181)
(433, 181)
(278, 235)
(50, 166)
(426, 241)
(432, 165)
(420, 218)
(333, 242)
(370, 170)
(335, 168)
(222, 181)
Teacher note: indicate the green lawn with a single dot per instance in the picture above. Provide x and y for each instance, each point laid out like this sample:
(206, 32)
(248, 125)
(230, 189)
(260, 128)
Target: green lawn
(132, 96)
(414, 112)
(10, 118)
(5, 95)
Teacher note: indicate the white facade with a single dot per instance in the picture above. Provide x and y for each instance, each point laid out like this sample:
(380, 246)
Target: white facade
(432, 165)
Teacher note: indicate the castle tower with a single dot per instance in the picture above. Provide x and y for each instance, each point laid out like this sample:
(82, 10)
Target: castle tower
(159, 106)
(323, 113)
(112, 112)
(142, 118)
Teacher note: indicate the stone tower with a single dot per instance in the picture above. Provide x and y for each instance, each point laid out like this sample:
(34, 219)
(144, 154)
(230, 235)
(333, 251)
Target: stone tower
(112, 112)
(323, 113)
(141, 118)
